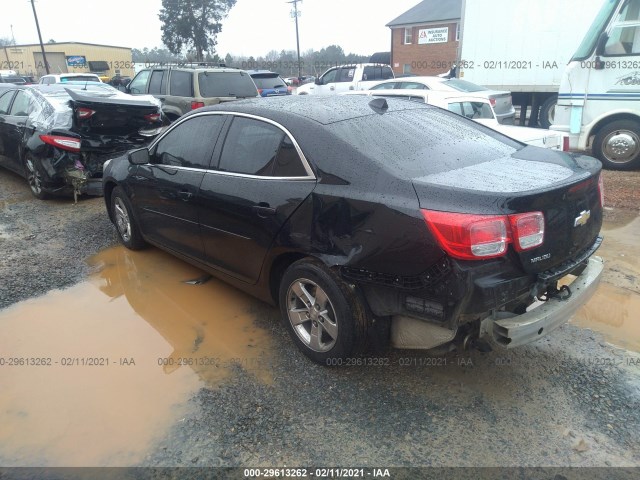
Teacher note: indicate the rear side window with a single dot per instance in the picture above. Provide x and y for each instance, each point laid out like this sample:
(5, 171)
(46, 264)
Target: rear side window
(346, 74)
(226, 84)
(191, 143)
(5, 101)
(384, 86)
(181, 84)
(155, 83)
(377, 72)
(473, 110)
(412, 86)
(253, 147)
(20, 107)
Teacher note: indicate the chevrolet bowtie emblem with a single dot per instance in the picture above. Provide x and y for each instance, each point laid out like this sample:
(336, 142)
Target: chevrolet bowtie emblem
(583, 218)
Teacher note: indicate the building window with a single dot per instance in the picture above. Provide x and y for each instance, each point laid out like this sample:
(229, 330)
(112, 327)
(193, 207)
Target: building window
(457, 32)
(407, 35)
(406, 68)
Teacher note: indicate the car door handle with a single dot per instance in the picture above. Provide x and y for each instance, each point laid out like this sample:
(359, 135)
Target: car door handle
(185, 195)
(264, 210)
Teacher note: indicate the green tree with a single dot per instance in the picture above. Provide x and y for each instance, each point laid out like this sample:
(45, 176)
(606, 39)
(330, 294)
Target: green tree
(193, 24)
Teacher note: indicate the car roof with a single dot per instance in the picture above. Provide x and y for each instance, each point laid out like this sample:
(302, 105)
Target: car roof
(57, 75)
(320, 109)
(262, 72)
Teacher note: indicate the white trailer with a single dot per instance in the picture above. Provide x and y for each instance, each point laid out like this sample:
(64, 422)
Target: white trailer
(523, 46)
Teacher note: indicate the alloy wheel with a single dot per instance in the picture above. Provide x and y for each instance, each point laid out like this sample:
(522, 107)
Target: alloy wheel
(123, 222)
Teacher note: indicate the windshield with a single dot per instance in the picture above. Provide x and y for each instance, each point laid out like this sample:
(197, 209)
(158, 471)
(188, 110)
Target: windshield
(597, 27)
(463, 85)
(227, 84)
(268, 81)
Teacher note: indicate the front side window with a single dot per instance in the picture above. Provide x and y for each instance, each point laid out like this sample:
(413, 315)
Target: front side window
(139, 84)
(5, 101)
(253, 147)
(407, 35)
(156, 82)
(330, 76)
(624, 38)
(190, 144)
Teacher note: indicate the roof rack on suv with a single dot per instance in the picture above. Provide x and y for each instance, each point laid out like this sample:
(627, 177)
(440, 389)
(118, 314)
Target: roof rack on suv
(187, 64)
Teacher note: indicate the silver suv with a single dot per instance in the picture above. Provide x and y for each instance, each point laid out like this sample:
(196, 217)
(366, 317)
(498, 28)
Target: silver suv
(185, 88)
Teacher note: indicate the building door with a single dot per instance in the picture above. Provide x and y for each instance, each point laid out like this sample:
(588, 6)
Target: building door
(57, 63)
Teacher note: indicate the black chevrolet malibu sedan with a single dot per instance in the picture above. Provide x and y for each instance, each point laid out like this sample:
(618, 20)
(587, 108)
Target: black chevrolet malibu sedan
(369, 221)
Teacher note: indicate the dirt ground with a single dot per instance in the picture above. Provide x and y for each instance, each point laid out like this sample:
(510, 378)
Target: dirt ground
(215, 381)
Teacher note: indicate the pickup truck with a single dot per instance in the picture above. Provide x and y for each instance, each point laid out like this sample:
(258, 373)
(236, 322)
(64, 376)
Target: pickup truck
(347, 77)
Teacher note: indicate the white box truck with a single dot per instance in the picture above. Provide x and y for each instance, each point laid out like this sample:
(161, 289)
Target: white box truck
(523, 46)
(599, 98)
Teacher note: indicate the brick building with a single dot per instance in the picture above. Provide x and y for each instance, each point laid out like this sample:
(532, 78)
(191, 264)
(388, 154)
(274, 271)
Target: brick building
(425, 38)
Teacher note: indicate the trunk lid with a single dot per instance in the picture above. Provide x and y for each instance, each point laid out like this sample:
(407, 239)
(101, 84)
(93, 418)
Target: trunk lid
(564, 187)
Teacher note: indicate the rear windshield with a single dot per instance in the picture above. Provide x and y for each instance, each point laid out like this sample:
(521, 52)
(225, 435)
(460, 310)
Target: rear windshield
(88, 78)
(423, 141)
(268, 81)
(463, 85)
(228, 84)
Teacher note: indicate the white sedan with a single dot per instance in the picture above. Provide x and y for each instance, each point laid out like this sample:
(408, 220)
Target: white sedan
(479, 110)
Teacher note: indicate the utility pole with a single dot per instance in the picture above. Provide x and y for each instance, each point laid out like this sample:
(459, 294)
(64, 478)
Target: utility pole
(296, 14)
(44, 55)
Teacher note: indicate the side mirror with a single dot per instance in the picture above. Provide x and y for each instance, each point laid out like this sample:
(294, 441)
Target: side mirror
(139, 156)
(318, 81)
(602, 42)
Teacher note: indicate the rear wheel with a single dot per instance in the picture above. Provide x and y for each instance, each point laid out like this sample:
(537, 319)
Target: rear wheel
(617, 145)
(126, 225)
(33, 171)
(548, 112)
(324, 316)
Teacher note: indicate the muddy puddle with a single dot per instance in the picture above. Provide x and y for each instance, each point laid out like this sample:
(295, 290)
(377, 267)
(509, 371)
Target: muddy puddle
(94, 374)
(614, 310)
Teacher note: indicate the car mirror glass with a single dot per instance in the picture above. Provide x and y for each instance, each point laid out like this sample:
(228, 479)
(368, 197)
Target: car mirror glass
(318, 81)
(139, 157)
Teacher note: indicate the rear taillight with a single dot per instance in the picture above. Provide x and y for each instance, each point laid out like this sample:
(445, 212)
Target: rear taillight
(601, 190)
(527, 230)
(84, 113)
(195, 105)
(152, 117)
(260, 91)
(493, 102)
(64, 143)
(473, 237)
(565, 143)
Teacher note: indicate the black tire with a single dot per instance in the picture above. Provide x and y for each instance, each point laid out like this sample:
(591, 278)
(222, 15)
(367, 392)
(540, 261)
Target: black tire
(33, 174)
(547, 111)
(335, 313)
(617, 145)
(125, 222)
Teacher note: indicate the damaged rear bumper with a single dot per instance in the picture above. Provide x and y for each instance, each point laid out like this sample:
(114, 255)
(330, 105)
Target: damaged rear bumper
(530, 326)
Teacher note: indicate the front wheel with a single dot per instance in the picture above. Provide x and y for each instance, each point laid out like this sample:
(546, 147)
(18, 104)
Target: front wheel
(617, 145)
(324, 316)
(124, 221)
(33, 172)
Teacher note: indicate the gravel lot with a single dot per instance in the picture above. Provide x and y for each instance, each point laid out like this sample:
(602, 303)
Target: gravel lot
(569, 400)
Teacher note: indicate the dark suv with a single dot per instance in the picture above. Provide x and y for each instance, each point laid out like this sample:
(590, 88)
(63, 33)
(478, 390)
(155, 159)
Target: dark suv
(182, 89)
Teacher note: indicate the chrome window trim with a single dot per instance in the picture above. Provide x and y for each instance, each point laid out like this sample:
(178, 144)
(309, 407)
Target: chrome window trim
(229, 174)
(305, 163)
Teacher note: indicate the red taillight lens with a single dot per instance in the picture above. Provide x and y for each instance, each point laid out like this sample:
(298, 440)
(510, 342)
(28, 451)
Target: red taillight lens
(260, 91)
(467, 236)
(153, 117)
(601, 190)
(472, 237)
(527, 230)
(195, 105)
(84, 113)
(64, 143)
(493, 102)
(565, 143)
